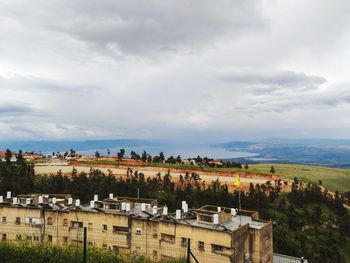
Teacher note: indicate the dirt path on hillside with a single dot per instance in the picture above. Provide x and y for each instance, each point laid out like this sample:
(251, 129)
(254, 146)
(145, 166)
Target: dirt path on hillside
(208, 177)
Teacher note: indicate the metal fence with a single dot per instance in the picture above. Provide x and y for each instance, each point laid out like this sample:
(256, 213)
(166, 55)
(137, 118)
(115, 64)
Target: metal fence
(155, 246)
(279, 258)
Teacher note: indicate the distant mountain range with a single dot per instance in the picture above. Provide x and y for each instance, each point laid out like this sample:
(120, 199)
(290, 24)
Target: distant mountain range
(324, 152)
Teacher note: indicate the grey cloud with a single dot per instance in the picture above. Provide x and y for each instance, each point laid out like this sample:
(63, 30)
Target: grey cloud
(143, 27)
(27, 83)
(15, 109)
(271, 78)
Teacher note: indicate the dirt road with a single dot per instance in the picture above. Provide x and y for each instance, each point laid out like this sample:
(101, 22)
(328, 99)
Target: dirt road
(151, 172)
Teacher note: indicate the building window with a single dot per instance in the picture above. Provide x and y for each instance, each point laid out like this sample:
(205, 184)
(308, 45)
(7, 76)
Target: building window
(36, 238)
(89, 243)
(18, 221)
(155, 254)
(90, 226)
(18, 237)
(29, 238)
(155, 232)
(49, 221)
(200, 245)
(217, 248)
(120, 229)
(104, 246)
(4, 237)
(104, 228)
(76, 224)
(49, 238)
(4, 221)
(184, 242)
(138, 231)
(65, 222)
(167, 238)
(65, 240)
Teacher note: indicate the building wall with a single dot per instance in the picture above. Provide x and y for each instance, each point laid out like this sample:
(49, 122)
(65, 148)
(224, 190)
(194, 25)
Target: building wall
(159, 239)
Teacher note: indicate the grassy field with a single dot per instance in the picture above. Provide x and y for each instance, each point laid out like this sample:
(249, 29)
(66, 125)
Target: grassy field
(333, 179)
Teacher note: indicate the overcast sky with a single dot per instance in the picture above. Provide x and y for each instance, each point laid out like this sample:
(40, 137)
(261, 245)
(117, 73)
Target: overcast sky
(203, 70)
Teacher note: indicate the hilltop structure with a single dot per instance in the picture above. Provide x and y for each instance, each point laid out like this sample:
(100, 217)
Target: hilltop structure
(215, 234)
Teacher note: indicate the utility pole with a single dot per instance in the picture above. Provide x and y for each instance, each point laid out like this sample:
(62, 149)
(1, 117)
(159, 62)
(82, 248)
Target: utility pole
(84, 248)
(188, 250)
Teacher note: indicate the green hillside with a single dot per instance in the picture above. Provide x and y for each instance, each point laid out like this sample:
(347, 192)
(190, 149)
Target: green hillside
(332, 178)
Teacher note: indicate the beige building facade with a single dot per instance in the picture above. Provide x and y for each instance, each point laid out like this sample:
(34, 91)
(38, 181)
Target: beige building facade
(215, 234)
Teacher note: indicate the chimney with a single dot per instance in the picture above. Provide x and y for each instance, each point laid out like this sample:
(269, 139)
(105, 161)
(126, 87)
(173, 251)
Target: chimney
(165, 211)
(77, 202)
(143, 207)
(183, 204)
(185, 208)
(219, 209)
(178, 214)
(92, 204)
(41, 199)
(154, 210)
(8, 195)
(54, 200)
(233, 212)
(70, 201)
(216, 219)
(95, 198)
(110, 196)
(1, 199)
(15, 201)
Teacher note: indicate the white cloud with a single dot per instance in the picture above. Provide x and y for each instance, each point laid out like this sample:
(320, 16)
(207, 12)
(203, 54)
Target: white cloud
(148, 69)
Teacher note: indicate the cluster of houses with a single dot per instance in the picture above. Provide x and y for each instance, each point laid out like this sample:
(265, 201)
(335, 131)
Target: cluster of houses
(26, 156)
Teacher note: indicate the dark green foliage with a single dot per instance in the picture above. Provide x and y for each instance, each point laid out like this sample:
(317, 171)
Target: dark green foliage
(45, 253)
(121, 154)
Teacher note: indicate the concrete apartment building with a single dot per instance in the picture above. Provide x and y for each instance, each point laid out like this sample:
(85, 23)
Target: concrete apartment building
(216, 234)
